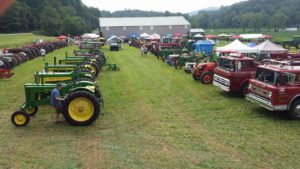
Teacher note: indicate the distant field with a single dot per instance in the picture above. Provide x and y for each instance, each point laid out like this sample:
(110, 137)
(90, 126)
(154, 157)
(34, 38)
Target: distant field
(278, 36)
(16, 40)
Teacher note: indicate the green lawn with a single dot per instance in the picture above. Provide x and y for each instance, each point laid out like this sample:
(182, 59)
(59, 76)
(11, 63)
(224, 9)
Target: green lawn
(154, 117)
(17, 40)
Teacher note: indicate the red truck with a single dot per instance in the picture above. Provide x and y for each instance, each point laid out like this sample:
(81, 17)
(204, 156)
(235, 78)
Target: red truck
(234, 72)
(277, 87)
(204, 72)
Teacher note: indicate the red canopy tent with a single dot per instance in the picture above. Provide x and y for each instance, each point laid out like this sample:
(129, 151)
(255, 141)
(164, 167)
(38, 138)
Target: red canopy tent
(235, 37)
(61, 37)
(177, 34)
(266, 37)
(211, 36)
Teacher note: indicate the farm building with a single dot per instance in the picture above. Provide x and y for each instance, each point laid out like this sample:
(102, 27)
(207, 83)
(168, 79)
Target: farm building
(138, 25)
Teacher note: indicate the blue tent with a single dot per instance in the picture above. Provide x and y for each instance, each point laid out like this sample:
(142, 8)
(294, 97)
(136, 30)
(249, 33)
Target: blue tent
(169, 34)
(133, 35)
(251, 44)
(203, 46)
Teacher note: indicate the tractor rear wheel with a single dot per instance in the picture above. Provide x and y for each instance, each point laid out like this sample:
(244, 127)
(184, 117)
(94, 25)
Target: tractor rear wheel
(81, 108)
(206, 77)
(31, 110)
(20, 118)
(95, 69)
(294, 111)
(86, 79)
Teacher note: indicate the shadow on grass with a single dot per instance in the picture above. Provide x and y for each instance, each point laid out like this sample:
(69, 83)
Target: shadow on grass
(273, 115)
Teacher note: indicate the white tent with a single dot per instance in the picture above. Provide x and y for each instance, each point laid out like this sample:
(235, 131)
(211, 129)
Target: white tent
(236, 46)
(269, 47)
(90, 35)
(144, 35)
(223, 35)
(198, 36)
(115, 38)
(154, 36)
(251, 36)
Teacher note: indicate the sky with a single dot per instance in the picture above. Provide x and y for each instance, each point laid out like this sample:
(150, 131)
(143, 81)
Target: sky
(183, 6)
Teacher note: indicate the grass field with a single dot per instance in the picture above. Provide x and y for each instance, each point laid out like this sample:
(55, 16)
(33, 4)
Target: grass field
(17, 40)
(154, 117)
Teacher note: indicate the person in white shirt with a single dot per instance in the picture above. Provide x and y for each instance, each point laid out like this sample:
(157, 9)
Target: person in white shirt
(43, 53)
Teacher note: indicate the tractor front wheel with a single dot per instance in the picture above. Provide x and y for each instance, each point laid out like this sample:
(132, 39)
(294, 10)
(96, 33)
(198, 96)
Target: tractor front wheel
(20, 118)
(81, 108)
(206, 77)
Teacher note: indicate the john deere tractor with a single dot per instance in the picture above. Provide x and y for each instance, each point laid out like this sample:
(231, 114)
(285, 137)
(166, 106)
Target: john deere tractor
(55, 77)
(81, 105)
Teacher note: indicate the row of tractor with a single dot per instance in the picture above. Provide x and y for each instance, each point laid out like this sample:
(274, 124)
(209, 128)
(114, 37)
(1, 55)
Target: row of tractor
(82, 97)
(15, 56)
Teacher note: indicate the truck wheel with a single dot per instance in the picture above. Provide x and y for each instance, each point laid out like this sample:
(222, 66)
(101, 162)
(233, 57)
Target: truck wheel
(244, 89)
(195, 77)
(20, 118)
(31, 110)
(206, 77)
(294, 111)
(81, 108)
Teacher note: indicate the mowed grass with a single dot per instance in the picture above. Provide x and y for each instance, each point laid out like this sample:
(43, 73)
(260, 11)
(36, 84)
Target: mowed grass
(17, 40)
(154, 117)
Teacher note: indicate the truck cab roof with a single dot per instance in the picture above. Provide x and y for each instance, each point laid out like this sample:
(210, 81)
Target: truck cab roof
(237, 57)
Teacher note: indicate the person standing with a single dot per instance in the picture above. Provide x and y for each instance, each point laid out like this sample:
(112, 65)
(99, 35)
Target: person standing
(56, 100)
(145, 50)
(43, 53)
(142, 51)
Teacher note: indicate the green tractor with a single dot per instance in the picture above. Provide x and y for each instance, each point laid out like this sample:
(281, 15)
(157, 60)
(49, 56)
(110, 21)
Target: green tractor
(81, 105)
(295, 42)
(55, 77)
(89, 48)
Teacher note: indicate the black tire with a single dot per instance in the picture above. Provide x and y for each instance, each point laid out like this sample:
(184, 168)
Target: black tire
(294, 111)
(206, 77)
(97, 70)
(85, 79)
(195, 77)
(20, 118)
(78, 108)
(244, 89)
(32, 110)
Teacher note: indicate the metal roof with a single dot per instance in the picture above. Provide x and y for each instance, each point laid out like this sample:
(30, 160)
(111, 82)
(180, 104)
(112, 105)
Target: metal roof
(196, 30)
(143, 21)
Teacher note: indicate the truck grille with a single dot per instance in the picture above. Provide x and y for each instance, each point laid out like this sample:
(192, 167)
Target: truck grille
(221, 80)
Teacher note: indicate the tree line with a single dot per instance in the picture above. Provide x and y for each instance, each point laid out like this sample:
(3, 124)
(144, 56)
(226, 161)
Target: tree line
(50, 17)
(54, 17)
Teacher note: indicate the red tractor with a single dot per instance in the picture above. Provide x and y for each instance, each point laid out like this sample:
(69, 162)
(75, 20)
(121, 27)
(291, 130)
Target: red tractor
(204, 72)
(276, 87)
(4, 73)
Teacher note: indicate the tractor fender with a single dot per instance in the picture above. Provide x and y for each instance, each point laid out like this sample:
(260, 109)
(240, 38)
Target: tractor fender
(297, 97)
(90, 89)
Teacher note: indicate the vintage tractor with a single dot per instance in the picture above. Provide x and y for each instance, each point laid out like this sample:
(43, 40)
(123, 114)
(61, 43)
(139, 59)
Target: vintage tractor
(295, 42)
(204, 72)
(55, 77)
(4, 73)
(81, 105)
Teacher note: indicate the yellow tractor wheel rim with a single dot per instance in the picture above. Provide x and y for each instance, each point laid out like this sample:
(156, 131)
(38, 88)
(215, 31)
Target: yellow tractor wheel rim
(81, 109)
(30, 110)
(20, 119)
(93, 68)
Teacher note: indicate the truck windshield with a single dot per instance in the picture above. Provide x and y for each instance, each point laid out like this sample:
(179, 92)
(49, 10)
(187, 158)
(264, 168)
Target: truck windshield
(267, 76)
(226, 64)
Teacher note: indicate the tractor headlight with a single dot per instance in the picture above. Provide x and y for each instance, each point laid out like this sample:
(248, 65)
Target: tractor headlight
(269, 94)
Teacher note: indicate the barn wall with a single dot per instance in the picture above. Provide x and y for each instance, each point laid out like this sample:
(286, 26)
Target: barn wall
(162, 30)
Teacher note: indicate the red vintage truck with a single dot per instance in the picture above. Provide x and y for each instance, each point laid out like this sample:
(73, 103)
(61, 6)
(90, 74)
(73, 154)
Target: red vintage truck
(277, 87)
(234, 72)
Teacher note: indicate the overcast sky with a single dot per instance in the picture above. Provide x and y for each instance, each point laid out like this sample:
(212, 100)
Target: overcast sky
(183, 6)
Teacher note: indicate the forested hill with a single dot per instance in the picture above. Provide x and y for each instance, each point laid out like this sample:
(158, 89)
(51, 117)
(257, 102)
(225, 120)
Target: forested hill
(254, 14)
(52, 17)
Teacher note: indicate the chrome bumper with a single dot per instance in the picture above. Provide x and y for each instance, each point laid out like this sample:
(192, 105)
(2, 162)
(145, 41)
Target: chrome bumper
(265, 102)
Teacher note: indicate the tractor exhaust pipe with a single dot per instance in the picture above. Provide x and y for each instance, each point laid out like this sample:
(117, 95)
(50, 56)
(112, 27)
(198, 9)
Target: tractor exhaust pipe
(46, 67)
(54, 60)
